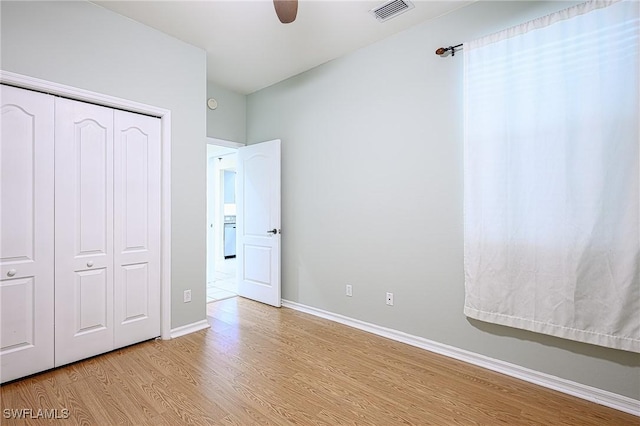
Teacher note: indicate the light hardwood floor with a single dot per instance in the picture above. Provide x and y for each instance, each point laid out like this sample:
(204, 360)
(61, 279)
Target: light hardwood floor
(261, 365)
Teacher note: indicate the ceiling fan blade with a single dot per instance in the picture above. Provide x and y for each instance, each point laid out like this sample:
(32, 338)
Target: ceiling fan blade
(286, 10)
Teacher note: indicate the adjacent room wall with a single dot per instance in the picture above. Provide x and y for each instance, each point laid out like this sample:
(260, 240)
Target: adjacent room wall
(373, 191)
(228, 121)
(83, 45)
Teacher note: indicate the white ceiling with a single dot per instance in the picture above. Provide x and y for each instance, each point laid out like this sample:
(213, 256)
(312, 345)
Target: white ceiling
(249, 49)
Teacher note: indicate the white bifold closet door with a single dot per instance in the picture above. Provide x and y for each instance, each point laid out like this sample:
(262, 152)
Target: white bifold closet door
(83, 230)
(107, 229)
(137, 225)
(79, 230)
(26, 233)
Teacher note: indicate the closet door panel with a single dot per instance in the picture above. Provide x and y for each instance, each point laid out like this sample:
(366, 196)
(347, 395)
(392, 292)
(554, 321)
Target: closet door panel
(84, 230)
(91, 289)
(26, 237)
(137, 172)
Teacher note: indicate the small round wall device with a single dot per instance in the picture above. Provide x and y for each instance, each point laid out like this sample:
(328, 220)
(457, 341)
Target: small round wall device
(212, 103)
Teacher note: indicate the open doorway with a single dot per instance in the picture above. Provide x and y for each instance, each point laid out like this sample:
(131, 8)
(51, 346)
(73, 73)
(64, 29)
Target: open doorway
(221, 224)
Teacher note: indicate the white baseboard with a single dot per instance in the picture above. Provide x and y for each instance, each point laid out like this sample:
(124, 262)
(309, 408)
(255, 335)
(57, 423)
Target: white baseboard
(599, 396)
(189, 328)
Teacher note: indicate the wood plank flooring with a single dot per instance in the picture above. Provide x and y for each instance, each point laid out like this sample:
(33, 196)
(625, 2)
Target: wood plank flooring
(265, 366)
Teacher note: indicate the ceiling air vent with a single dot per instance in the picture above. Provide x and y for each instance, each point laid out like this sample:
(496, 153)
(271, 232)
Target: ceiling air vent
(391, 9)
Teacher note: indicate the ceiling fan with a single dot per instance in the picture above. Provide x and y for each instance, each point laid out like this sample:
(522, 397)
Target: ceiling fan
(286, 10)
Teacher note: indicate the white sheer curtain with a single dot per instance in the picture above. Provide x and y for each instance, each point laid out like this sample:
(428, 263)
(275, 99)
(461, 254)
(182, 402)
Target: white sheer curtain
(552, 186)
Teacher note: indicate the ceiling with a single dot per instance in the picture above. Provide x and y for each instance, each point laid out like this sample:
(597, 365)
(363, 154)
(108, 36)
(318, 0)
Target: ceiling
(249, 49)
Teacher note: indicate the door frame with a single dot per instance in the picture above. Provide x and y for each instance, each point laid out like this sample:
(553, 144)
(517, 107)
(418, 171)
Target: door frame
(39, 85)
(210, 191)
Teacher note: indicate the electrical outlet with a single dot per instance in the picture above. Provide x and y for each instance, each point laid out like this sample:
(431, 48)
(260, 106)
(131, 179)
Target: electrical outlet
(390, 299)
(349, 290)
(187, 296)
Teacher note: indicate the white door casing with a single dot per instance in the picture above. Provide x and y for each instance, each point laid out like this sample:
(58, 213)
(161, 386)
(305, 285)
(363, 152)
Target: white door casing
(33, 205)
(83, 230)
(137, 177)
(258, 222)
(164, 115)
(26, 233)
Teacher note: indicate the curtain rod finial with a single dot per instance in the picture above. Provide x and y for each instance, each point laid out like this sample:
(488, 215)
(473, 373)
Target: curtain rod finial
(443, 50)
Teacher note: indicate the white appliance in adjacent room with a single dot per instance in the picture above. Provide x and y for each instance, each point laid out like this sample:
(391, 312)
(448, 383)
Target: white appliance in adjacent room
(229, 237)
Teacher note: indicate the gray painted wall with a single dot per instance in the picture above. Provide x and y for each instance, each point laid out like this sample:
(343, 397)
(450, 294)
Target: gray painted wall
(82, 45)
(229, 120)
(373, 194)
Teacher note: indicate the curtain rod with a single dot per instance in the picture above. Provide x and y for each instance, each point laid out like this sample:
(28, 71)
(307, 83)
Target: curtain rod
(441, 51)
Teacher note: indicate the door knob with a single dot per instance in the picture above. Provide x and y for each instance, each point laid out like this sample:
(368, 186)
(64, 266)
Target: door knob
(90, 263)
(11, 272)
(273, 231)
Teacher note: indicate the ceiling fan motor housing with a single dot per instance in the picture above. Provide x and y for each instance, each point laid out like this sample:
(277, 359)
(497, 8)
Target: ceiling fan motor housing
(286, 10)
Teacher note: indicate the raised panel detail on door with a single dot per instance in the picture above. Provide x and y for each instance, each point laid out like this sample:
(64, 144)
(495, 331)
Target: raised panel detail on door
(84, 229)
(90, 301)
(135, 185)
(17, 303)
(257, 266)
(93, 186)
(137, 172)
(257, 208)
(18, 184)
(136, 291)
(26, 232)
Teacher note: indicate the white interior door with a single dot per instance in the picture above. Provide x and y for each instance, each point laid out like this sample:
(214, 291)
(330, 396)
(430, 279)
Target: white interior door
(136, 228)
(84, 230)
(258, 222)
(80, 211)
(26, 232)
